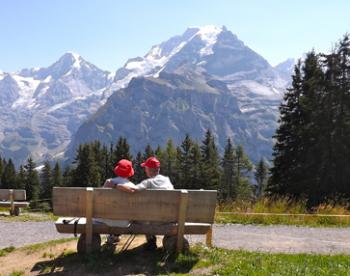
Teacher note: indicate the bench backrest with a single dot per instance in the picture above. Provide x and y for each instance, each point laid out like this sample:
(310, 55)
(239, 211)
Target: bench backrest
(17, 194)
(148, 205)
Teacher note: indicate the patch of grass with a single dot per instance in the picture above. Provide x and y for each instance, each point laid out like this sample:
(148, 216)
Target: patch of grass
(32, 248)
(282, 211)
(233, 262)
(6, 250)
(28, 216)
(17, 273)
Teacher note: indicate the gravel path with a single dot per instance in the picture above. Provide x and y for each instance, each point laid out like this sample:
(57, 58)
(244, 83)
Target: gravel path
(276, 238)
(22, 233)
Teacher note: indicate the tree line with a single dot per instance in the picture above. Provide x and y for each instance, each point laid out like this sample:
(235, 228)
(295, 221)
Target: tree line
(190, 165)
(311, 157)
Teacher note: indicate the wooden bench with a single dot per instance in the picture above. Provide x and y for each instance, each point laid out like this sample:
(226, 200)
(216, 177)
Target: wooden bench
(155, 212)
(14, 199)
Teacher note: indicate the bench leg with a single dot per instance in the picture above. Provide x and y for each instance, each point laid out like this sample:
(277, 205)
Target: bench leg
(17, 211)
(209, 237)
(95, 244)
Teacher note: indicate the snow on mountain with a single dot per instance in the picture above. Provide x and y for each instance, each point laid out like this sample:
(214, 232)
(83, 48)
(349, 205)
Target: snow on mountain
(189, 64)
(42, 108)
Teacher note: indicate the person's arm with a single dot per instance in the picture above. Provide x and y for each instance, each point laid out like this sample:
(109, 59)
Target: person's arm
(108, 183)
(126, 188)
(143, 185)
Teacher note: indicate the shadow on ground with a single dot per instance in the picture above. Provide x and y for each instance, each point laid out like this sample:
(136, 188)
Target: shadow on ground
(133, 261)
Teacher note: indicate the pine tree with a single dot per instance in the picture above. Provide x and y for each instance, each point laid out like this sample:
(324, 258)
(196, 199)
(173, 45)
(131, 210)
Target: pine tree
(168, 162)
(139, 171)
(211, 176)
(286, 151)
(148, 152)
(32, 183)
(228, 189)
(184, 161)
(21, 178)
(196, 167)
(122, 151)
(8, 178)
(243, 167)
(261, 177)
(68, 176)
(57, 180)
(46, 181)
(87, 173)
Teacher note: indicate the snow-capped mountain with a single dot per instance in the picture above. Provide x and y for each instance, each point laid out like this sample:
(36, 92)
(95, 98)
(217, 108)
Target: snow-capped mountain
(184, 68)
(41, 108)
(204, 78)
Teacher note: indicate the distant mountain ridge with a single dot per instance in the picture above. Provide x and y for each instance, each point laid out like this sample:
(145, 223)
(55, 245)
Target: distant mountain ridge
(200, 71)
(43, 111)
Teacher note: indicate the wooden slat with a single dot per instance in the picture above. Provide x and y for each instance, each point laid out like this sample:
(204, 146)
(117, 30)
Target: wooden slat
(69, 201)
(201, 206)
(181, 220)
(135, 228)
(113, 204)
(149, 205)
(17, 194)
(20, 204)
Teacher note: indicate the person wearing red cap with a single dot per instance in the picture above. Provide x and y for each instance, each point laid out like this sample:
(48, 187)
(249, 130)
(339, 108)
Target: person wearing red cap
(123, 171)
(154, 181)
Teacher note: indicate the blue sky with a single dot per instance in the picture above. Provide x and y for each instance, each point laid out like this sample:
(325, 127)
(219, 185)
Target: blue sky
(108, 32)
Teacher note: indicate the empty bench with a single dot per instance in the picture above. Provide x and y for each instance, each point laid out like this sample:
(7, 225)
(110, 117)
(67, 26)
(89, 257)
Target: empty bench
(14, 199)
(172, 213)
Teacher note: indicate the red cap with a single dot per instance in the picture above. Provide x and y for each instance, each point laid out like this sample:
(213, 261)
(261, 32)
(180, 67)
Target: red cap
(151, 162)
(124, 168)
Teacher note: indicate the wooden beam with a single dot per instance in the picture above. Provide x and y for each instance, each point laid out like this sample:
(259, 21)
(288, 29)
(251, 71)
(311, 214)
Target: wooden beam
(66, 225)
(89, 214)
(20, 204)
(181, 219)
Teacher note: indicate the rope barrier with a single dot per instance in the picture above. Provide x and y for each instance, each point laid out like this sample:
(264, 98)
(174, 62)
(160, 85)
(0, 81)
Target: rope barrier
(280, 214)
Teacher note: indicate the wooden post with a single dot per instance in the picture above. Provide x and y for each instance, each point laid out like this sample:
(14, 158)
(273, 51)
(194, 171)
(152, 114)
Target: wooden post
(181, 220)
(209, 236)
(89, 214)
(12, 210)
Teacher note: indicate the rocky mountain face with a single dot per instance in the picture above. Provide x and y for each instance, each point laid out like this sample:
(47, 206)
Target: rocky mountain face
(205, 78)
(41, 108)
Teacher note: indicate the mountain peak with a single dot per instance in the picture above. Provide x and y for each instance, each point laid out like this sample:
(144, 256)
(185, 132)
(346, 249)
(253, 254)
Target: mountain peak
(71, 59)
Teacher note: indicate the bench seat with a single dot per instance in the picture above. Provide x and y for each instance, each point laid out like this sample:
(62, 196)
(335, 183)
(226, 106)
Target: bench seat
(66, 225)
(20, 204)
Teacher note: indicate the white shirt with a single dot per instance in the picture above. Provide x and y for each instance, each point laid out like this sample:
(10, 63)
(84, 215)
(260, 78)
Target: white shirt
(158, 182)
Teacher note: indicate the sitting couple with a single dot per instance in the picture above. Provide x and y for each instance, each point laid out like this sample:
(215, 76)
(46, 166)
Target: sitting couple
(123, 171)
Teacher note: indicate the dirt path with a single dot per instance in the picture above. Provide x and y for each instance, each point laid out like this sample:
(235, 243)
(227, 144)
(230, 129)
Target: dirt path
(276, 238)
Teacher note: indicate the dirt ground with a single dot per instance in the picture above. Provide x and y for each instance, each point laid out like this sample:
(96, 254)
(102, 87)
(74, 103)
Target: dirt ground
(62, 259)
